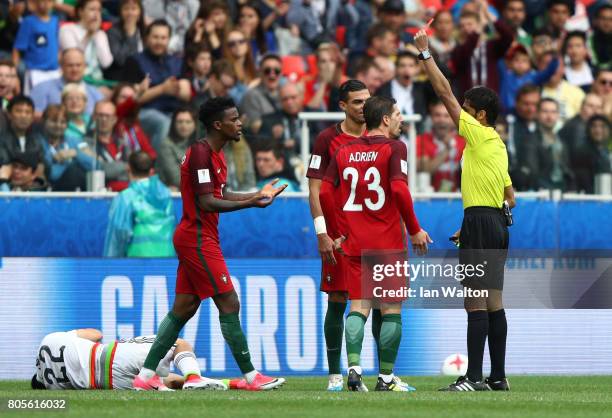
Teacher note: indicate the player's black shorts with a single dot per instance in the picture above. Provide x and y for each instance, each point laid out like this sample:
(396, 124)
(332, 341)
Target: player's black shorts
(484, 241)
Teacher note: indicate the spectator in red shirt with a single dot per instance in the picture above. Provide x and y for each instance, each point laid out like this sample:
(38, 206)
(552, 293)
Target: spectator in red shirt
(439, 152)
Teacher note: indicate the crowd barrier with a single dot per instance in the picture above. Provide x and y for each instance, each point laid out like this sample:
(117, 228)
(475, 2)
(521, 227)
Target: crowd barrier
(74, 225)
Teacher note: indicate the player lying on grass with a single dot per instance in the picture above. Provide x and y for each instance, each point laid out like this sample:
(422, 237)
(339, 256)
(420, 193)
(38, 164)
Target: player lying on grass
(370, 177)
(77, 360)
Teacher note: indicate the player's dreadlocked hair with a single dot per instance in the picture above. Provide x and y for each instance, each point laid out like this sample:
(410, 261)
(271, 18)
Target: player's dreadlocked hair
(213, 109)
(375, 108)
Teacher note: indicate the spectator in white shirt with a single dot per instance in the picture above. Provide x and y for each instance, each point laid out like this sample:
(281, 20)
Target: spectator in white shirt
(88, 36)
(577, 69)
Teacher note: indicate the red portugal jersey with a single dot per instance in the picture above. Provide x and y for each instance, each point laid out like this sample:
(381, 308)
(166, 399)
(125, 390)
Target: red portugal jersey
(202, 171)
(326, 144)
(362, 173)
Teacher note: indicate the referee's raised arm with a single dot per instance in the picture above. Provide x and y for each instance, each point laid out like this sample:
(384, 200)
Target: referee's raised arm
(440, 84)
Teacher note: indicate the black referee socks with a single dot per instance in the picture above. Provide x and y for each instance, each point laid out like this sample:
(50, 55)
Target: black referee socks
(478, 327)
(498, 330)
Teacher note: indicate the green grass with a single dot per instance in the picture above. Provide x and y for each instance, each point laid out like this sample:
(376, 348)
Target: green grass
(531, 396)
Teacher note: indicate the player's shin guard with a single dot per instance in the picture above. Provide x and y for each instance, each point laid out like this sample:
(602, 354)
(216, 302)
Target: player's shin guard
(390, 338)
(376, 324)
(498, 331)
(187, 363)
(355, 323)
(334, 330)
(167, 334)
(478, 327)
(235, 339)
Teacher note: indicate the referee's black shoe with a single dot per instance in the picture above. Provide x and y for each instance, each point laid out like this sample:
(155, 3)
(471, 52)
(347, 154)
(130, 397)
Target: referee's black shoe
(463, 384)
(498, 385)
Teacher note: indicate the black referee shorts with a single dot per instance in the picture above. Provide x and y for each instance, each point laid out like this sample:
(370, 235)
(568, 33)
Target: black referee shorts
(484, 242)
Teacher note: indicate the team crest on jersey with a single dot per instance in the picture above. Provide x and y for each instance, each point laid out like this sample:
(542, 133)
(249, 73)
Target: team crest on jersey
(224, 279)
(183, 159)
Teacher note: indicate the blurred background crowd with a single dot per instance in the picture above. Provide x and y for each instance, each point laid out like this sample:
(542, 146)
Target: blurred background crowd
(86, 83)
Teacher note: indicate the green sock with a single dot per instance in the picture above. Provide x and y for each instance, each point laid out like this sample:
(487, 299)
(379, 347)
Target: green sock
(376, 324)
(334, 329)
(167, 333)
(235, 339)
(390, 338)
(355, 322)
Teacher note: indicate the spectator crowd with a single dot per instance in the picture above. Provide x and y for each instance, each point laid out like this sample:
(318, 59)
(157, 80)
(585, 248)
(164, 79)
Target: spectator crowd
(84, 84)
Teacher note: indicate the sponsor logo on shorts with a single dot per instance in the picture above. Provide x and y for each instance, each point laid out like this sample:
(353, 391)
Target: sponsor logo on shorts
(224, 279)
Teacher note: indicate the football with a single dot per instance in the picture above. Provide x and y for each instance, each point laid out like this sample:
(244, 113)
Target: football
(455, 365)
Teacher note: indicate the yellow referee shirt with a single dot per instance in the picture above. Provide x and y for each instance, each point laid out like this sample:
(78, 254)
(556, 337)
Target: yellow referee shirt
(484, 165)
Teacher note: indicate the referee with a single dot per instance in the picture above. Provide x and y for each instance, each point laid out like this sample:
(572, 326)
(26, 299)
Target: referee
(485, 184)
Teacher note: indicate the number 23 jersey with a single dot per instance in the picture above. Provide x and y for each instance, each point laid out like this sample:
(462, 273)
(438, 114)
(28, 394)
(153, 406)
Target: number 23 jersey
(362, 172)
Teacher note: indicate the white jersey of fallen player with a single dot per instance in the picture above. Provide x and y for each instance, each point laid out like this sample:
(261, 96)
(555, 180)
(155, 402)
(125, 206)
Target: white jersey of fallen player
(66, 361)
(63, 361)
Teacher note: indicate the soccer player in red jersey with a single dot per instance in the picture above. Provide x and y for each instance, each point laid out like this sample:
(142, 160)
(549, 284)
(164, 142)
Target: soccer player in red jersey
(370, 176)
(353, 94)
(202, 272)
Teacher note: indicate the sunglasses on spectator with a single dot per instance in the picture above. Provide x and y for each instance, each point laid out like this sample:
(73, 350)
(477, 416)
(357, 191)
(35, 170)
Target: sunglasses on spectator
(271, 70)
(236, 42)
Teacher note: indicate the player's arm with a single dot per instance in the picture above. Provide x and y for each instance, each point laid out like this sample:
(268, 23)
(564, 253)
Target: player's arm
(317, 168)
(403, 201)
(398, 176)
(209, 203)
(201, 171)
(336, 221)
(268, 190)
(440, 84)
(90, 334)
(325, 242)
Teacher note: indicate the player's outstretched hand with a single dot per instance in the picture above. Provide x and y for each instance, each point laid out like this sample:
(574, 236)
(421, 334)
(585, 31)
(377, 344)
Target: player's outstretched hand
(420, 241)
(326, 248)
(267, 194)
(421, 41)
(269, 191)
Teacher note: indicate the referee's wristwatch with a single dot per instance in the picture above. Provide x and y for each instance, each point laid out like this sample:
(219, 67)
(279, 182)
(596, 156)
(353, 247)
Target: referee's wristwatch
(424, 55)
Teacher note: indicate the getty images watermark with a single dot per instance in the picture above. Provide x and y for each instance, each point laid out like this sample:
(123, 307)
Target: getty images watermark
(408, 272)
(388, 275)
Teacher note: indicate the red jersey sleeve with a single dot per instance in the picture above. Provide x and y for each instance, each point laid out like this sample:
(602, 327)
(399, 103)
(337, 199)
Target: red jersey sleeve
(320, 158)
(201, 169)
(331, 173)
(403, 202)
(398, 162)
(333, 215)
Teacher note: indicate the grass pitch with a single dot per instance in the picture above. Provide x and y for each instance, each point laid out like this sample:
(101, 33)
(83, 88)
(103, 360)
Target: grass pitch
(531, 396)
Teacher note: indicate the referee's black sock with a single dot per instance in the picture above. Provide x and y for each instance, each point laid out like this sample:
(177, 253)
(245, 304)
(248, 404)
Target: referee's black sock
(498, 330)
(478, 326)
